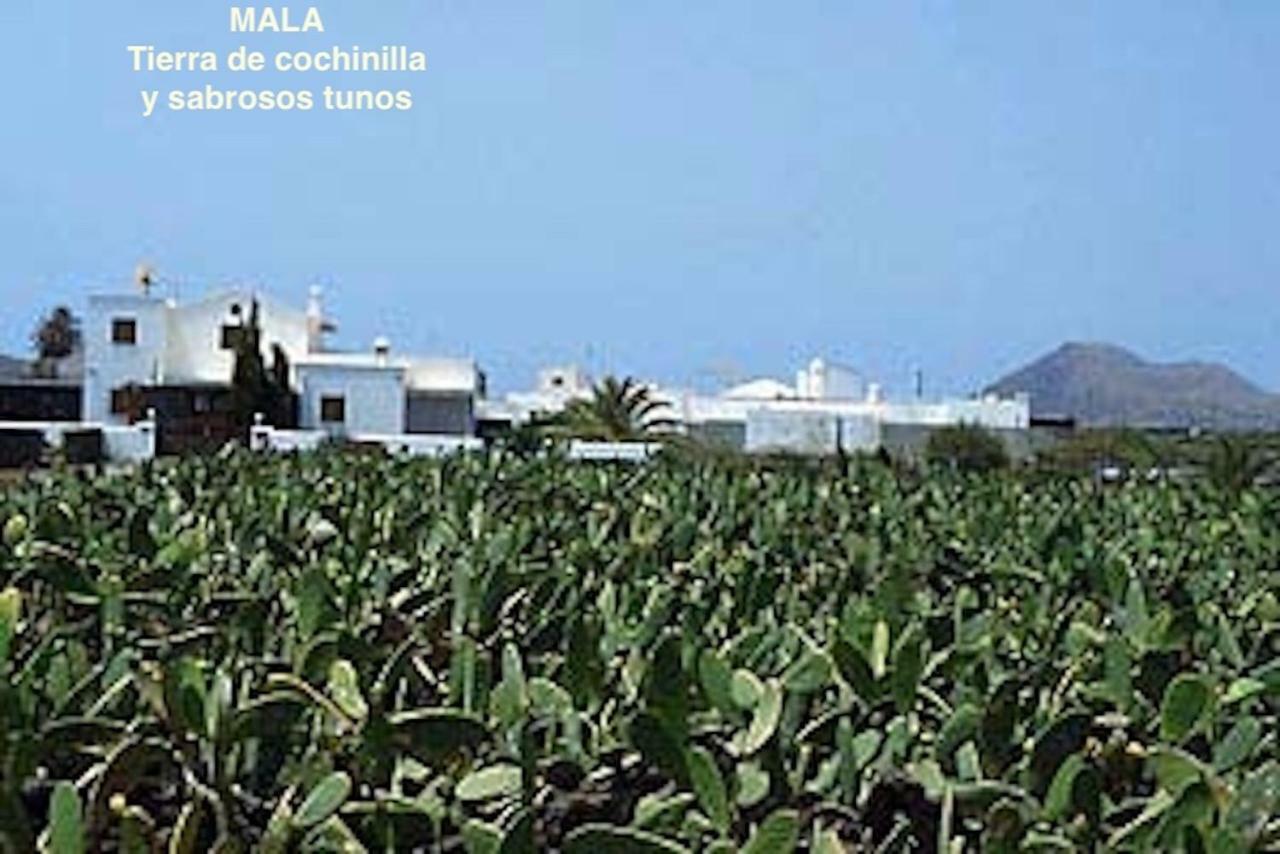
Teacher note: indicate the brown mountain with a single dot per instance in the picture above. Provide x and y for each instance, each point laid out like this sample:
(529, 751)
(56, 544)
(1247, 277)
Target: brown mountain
(1105, 385)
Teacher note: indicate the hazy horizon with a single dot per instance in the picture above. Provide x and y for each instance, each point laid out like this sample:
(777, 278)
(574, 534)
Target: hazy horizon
(684, 193)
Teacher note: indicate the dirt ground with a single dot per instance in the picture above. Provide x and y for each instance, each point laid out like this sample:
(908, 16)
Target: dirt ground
(9, 477)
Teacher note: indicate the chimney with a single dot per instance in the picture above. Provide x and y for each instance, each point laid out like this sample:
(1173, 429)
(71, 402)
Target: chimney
(818, 379)
(381, 351)
(315, 320)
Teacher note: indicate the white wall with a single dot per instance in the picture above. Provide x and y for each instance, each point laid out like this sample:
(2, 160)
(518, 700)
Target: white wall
(265, 438)
(840, 383)
(564, 380)
(441, 374)
(375, 397)
(813, 431)
(120, 444)
(1004, 413)
(816, 426)
(195, 351)
(130, 444)
(626, 452)
(423, 444)
(792, 432)
(823, 380)
(176, 344)
(859, 433)
(110, 366)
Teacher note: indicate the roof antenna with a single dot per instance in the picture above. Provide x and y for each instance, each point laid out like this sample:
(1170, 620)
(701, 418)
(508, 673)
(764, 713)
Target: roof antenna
(144, 276)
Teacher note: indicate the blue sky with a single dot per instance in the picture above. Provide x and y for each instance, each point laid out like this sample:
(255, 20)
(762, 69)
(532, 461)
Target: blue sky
(683, 190)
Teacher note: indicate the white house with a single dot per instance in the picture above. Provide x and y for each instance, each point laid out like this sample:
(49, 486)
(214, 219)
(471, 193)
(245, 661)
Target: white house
(183, 356)
(555, 389)
(376, 393)
(823, 380)
(146, 341)
(829, 408)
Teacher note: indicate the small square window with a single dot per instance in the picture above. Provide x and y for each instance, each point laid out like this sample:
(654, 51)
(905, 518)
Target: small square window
(231, 337)
(124, 330)
(333, 409)
(121, 401)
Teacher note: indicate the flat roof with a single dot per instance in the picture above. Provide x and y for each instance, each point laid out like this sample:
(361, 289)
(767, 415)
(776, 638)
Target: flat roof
(357, 361)
(40, 382)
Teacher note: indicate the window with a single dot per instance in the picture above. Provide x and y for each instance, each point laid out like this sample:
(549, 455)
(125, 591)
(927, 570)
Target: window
(121, 401)
(333, 409)
(231, 337)
(124, 330)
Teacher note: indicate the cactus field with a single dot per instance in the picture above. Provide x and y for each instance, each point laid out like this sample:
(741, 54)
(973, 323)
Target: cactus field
(493, 654)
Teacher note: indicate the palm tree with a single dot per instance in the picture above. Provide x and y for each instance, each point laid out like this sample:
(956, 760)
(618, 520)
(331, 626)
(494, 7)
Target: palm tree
(617, 411)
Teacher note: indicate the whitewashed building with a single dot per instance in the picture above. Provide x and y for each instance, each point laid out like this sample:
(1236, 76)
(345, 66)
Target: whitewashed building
(556, 388)
(182, 355)
(142, 340)
(378, 393)
(185, 352)
(829, 408)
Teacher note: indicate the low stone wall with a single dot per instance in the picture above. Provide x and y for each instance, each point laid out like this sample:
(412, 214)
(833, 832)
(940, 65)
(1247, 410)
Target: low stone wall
(131, 444)
(627, 452)
(265, 438)
(423, 444)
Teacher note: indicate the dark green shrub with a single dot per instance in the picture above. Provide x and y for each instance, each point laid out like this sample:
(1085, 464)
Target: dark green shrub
(968, 448)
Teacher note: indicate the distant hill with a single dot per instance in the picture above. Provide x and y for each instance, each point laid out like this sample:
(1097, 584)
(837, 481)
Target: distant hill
(1105, 385)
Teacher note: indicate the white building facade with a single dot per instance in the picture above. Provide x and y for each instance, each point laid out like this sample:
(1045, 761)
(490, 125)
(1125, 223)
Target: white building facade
(829, 409)
(141, 341)
(353, 394)
(147, 341)
(345, 398)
